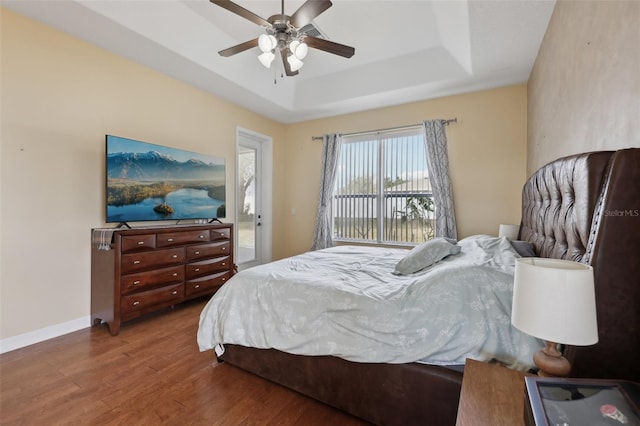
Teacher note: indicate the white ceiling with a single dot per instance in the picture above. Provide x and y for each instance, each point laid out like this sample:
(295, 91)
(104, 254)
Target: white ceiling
(405, 50)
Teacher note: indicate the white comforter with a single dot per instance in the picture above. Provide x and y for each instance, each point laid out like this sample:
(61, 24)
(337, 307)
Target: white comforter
(344, 301)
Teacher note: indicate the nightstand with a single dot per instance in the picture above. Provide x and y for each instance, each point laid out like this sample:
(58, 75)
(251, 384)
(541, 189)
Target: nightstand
(491, 395)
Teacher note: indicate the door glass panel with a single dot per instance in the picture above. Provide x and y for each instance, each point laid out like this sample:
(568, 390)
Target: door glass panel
(246, 198)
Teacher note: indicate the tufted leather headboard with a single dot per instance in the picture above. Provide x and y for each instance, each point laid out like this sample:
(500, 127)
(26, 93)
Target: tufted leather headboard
(586, 208)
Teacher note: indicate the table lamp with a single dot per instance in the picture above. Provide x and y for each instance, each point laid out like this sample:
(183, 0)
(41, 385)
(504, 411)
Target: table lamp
(554, 300)
(509, 231)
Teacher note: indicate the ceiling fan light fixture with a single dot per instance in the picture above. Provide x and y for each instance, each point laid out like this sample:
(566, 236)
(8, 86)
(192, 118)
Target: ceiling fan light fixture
(301, 49)
(292, 45)
(294, 63)
(267, 42)
(266, 59)
(295, 33)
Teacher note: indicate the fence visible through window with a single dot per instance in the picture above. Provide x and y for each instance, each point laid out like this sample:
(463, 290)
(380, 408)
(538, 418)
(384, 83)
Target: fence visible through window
(382, 192)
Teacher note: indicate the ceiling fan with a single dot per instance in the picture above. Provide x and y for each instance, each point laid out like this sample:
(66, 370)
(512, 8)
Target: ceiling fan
(286, 35)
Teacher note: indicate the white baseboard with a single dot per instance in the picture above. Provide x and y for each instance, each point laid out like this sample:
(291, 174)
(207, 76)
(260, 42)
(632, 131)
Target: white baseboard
(26, 339)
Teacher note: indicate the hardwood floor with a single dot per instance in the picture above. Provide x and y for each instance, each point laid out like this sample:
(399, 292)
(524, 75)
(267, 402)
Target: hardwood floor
(151, 373)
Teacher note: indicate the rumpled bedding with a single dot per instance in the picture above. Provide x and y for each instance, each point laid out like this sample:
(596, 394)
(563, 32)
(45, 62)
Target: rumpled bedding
(344, 301)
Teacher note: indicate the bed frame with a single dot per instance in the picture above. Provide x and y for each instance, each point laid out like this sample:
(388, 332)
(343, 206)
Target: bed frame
(585, 208)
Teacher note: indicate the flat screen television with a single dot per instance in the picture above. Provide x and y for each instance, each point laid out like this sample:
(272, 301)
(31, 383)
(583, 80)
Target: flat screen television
(147, 182)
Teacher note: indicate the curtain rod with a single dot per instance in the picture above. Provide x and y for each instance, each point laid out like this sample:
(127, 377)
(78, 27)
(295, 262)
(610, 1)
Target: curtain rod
(444, 122)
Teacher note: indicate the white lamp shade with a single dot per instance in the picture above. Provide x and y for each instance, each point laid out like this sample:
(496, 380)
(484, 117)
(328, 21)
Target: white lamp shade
(267, 42)
(266, 59)
(555, 300)
(509, 231)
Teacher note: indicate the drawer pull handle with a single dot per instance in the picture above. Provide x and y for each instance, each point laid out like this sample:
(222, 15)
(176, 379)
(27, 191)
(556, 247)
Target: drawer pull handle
(174, 292)
(224, 264)
(175, 256)
(140, 243)
(135, 262)
(175, 274)
(224, 248)
(169, 240)
(136, 282)
(136, 303)
(197, 252)
(201, 236)
(197, 269)
(196, 286)
(224, 279)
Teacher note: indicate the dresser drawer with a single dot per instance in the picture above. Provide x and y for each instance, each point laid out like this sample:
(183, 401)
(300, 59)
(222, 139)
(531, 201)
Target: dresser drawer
(206, 284)
(138, 242)
(169, 239)
(153, 278)
(220, 234)
(145, 299)
(205, 251)
(142, 261)
(206, 267)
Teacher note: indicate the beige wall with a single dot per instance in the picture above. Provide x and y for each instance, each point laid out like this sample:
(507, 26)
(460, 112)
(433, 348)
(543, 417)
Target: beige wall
(60, 96)
(486, 152)
(584, 90)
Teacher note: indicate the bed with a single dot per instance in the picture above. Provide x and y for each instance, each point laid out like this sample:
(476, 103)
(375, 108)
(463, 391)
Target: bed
(583, 208)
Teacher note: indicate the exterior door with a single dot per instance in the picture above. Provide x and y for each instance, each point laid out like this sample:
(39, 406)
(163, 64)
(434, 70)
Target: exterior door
(252, 218)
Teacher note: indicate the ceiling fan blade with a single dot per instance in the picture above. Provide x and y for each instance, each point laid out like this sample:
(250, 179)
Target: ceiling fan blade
(239, 10)
(239, 48)
(308, 11)
(287, 66)
(330, 46)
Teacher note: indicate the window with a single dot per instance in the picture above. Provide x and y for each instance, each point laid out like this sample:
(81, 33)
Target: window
(382, 192)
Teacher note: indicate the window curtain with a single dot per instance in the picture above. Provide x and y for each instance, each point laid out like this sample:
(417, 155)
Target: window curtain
(435, 140)
(322, 235)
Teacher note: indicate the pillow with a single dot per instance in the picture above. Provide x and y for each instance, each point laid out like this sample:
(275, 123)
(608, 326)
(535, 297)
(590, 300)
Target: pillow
(524, 248)
(425, 254)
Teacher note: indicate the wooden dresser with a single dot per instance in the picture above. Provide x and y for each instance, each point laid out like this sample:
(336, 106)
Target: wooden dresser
(151, 268)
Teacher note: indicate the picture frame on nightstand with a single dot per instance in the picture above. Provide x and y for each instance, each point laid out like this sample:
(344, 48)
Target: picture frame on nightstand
(584, 402)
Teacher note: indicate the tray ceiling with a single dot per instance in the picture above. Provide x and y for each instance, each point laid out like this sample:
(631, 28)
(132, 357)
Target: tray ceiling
(405, 50)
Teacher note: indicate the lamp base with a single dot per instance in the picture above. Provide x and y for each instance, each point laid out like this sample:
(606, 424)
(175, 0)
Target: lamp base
(550, 362)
